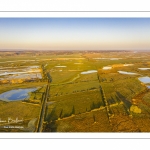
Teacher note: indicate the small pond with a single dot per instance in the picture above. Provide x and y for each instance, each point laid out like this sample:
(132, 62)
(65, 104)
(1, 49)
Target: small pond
(143, 68)
(144, 79)
(128, 64)
(15, 95)
(115, 58)
(128, 73)
(107, 68)
(148, 86)
(89, 71)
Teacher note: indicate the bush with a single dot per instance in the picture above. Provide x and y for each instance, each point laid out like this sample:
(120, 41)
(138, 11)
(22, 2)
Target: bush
(135, 109)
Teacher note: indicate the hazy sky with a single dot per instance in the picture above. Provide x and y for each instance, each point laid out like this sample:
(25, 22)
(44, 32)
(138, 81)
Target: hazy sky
(75, 33)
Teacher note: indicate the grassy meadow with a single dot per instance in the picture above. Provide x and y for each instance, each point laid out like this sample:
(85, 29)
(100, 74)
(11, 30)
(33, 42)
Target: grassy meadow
(94, 102)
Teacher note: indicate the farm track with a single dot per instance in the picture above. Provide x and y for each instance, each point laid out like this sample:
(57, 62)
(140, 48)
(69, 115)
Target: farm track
(43, 108)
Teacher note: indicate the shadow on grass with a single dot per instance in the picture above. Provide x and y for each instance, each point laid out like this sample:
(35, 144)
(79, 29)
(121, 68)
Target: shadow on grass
(96, 105)
(125, 101)
(118, 99)
(111, 101)
(51, 127)
(69, 114)
(52, 116)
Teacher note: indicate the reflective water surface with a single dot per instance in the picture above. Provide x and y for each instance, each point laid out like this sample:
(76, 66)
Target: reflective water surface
(18, 94)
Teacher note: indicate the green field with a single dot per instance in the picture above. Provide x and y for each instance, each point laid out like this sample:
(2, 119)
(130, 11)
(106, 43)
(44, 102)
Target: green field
(94, 102)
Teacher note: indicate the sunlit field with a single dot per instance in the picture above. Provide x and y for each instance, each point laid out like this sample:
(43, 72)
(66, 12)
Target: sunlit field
(90, 91)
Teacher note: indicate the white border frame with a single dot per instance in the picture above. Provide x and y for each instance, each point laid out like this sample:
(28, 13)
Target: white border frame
(73, 14)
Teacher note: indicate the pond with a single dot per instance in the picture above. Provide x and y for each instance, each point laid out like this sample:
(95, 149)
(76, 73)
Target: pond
(143, 68)
(128, 64)
(148, 86)
(128, 73)
(88, 72)
(144, 79)
(115, 58)
(107, 68)
(15, 95)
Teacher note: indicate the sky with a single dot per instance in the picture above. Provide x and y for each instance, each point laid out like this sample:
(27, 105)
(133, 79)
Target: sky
(75, 33)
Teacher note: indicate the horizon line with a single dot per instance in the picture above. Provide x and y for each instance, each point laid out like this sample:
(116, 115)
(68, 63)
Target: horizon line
(68, 50)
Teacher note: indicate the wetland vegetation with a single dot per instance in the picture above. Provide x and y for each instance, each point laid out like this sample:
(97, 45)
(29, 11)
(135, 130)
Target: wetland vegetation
(90, 91)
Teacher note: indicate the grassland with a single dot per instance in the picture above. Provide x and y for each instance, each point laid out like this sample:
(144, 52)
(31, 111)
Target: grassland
(95, 102)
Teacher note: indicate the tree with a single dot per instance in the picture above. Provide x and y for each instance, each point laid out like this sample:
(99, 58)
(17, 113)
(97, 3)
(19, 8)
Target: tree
(73, 110)
(60, 116)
